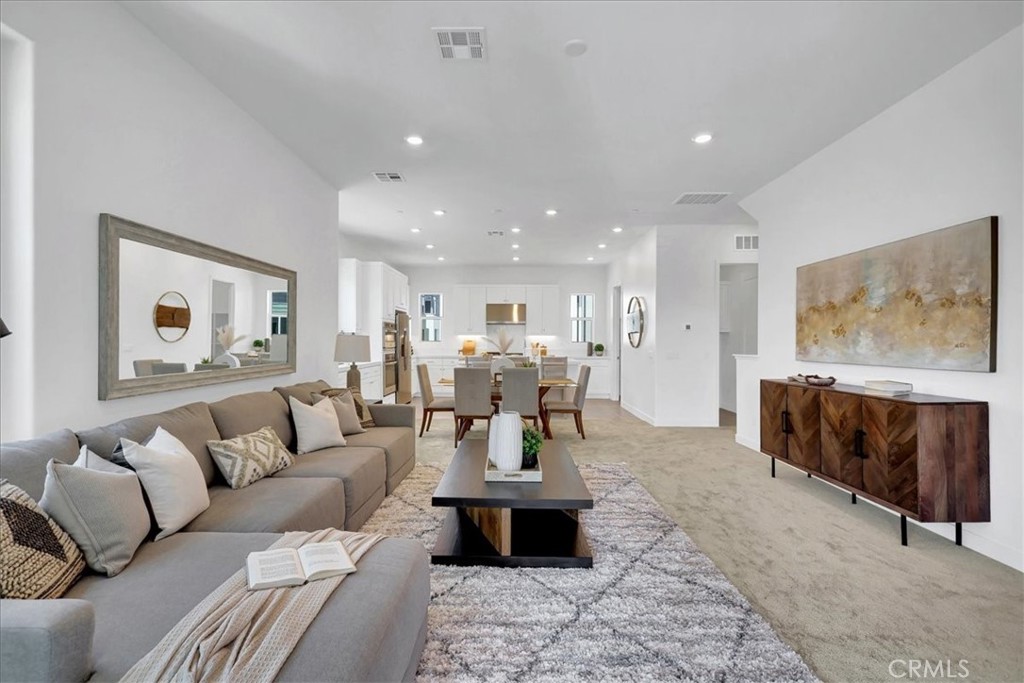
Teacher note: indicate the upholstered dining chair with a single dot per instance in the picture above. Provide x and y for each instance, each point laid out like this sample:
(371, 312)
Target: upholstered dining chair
(472, 399)
(519, 392)
(554, 367)
(575, 406)
(169, 368)
(144, 366)
(431, 405)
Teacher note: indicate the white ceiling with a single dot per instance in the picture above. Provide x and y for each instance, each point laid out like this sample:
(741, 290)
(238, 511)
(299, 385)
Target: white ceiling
(604, 138)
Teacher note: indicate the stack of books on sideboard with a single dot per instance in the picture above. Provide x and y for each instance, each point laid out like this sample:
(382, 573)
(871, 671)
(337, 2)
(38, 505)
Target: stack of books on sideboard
(885, 387)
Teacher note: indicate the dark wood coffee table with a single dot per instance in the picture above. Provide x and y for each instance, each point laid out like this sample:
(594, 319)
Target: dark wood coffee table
(512, 524)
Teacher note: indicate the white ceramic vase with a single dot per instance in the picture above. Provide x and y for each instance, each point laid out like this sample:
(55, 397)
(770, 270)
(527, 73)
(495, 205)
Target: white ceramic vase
(505, 442)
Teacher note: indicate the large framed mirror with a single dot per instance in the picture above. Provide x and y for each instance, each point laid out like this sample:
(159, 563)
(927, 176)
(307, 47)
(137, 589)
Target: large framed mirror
(176, 313)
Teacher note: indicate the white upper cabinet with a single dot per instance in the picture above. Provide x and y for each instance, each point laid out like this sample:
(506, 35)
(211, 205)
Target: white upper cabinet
(506, 294)
(468, 310)
(543, 309)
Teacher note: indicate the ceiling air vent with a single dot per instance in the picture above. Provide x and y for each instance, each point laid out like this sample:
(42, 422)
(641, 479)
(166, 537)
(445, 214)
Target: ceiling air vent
(746, 242)
(688, 198)
(495, 233)
(460, 43)
(388, 177)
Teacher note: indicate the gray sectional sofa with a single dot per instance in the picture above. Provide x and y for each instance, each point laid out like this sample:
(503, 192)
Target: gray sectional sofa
(372, 628)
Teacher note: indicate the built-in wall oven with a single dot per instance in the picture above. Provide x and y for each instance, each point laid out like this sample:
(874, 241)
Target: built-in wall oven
(390, 358)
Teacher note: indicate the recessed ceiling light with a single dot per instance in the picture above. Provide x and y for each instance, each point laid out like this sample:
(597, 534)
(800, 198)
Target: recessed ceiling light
(414, 229)
(590, 258)
(439, 212)
(515, 258)
(515, 246)
(516, 230)
(617, 229)
(414, 140)
(551, 212)
(440, 258)
(430, 246)
(575, 47)
(601, 246)
(703, 138)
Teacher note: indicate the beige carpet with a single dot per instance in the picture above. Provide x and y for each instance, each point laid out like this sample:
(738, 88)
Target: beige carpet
(830, 577)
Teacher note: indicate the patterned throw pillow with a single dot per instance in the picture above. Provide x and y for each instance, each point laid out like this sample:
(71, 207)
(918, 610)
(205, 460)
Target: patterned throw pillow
(37, 559)
(247, 458)
(362, 410)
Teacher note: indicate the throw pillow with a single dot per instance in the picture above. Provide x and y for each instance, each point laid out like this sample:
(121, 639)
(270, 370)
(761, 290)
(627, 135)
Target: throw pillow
(362, 410)
(345, 407)
(317, 426)
(247, 458)
(38, 560)
(173, 480)
(100, 505)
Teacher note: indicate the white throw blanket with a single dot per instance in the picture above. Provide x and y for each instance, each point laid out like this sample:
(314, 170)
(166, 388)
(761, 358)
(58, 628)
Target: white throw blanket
(241, 635)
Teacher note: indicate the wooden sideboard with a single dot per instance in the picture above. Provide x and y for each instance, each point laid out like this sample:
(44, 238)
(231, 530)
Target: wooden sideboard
(925, 457)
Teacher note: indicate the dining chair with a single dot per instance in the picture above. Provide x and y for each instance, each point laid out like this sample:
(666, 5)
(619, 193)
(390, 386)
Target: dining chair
(431, 405)
(554, 367)
(478, 362)
(575, 406)
(168, 368)
(472, 399)
(206, 367)
(144, 366)
(519, 392)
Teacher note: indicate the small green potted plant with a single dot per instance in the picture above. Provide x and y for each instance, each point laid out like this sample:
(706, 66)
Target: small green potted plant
(532, 441)
(205, 360)
(598, 349)
(257, 344)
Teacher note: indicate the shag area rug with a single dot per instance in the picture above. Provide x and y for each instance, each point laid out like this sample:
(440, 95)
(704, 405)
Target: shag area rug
(653, 607)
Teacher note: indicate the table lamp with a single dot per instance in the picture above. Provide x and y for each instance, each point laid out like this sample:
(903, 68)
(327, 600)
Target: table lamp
(353, 348)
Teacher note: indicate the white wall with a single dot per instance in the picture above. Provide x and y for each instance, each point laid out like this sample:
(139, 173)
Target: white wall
(570, 279)
(948, 153)
(123, 125)
(673, 378)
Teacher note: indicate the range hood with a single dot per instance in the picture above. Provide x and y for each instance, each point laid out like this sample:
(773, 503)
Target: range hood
(506, 314)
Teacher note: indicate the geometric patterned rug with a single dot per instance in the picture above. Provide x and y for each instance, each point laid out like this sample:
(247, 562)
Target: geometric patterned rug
(653, 607)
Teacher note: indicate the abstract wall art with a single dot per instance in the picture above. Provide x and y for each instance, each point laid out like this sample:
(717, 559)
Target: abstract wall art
(923, 302)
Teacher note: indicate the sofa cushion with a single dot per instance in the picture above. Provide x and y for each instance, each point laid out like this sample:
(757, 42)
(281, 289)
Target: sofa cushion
(23, 463)
(303, 390)
(275, 505)
(100, 505)
(399, 445)
(316, 427)
(192, 424)
(362, 470)
(367, 630)
(345, 407)
(247, 458)
(38, 560)
(246, 413)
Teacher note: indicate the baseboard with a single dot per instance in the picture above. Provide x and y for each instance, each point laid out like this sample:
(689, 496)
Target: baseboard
(635, 412)
(749, 443)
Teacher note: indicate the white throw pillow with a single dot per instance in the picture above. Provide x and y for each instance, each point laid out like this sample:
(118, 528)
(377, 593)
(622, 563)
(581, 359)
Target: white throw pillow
(317, 426)
(172, 478)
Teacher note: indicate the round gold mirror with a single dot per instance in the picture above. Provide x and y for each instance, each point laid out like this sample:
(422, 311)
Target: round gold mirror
(635, 321)
(172, 316)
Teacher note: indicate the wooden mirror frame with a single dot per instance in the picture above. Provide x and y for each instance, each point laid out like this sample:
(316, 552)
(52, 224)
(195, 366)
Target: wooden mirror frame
(636, 305)
(112, 230)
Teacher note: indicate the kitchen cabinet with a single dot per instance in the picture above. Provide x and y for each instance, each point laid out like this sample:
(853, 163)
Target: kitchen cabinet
(394, 292)
(438, 368)
(600, 385)
(468, 310)
(544, 310)
(925, 457)
(506, 294)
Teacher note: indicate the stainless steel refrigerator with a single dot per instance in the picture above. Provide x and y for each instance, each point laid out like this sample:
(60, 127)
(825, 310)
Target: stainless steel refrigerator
(403, 391)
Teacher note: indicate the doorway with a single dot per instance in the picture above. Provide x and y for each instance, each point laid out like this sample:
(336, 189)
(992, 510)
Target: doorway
(615, 347)
(737, 330)
(222, 312)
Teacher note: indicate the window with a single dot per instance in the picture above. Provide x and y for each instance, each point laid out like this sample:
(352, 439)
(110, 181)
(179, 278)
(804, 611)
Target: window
(279, 312)
(430, 317)
(581, 320)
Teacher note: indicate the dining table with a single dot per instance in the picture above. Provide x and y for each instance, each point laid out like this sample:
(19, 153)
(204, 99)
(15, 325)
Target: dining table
(543, 387)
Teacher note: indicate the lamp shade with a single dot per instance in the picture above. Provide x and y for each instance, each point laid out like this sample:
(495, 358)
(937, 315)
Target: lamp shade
(3, 329)
(354, 348)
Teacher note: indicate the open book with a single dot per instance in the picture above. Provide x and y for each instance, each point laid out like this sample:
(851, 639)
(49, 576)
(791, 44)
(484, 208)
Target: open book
(296, 566)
